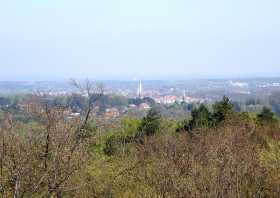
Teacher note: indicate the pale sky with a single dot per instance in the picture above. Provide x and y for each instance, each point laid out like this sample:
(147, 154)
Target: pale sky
(148, 39)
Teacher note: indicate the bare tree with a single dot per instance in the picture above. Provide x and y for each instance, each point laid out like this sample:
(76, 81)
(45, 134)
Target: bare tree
(41, 160)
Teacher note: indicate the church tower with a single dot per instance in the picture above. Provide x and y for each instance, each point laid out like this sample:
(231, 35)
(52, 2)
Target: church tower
(140, 90)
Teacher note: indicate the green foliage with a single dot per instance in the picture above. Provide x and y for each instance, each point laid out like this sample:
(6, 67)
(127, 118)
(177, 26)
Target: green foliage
(126, 134)
(266, 116)
(227, 161)
(270, 157)
(138, 101)
(245, 116)
(89, 130)
(201, 117)
(150, 124)
(110, 146)
(174, 165)
(221, 110)
(129, 126)
(270, 162)
(187, 106)
(108, 101)
(183, 126)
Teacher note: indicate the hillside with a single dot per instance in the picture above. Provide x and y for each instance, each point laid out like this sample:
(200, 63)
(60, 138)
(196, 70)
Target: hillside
(213, 153)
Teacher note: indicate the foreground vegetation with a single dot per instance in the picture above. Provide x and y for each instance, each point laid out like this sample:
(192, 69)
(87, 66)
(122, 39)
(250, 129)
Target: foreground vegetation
(214, 153)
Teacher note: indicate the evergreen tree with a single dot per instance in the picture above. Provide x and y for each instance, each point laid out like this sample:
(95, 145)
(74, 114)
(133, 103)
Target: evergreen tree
(150, 123)
(201, 117)
(222, 109)
(265, 116)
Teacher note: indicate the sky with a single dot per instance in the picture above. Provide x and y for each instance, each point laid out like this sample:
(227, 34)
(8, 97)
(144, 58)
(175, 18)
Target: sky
(147, 39)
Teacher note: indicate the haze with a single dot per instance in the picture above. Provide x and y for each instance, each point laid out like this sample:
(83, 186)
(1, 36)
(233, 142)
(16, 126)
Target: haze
(148, 39)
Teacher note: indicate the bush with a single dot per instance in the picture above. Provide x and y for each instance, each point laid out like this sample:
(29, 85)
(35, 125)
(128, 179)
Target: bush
(151, 123)
(110, 146)
(266, 116)
(221, 110)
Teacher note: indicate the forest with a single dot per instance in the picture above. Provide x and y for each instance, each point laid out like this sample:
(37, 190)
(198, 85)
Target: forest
(217, 151)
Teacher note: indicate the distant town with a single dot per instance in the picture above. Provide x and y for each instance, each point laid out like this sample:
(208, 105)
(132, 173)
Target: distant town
(175, 98)
(163, 92)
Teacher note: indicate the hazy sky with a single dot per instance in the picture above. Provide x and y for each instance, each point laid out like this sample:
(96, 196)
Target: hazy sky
(151, 39)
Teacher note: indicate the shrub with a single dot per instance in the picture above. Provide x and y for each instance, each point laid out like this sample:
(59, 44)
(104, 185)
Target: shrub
(150, 124)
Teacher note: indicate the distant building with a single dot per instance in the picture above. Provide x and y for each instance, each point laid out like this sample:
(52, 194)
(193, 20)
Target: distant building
(132, 106)
(144, 106)
(239, 84)
(169, 99)
(112, 113)
(71, 115)
(75, 114)
(189, 99)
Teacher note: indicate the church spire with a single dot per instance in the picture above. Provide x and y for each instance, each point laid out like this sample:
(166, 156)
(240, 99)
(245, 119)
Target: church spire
(140, 89)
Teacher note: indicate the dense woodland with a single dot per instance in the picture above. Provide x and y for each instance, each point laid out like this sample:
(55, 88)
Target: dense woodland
(216, 151)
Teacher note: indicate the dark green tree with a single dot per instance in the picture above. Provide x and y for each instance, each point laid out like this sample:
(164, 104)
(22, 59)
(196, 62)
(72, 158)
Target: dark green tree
(266, 116)
(150, 124)
(201, 117)
(110, 145)
(222, 109)
(138, 101)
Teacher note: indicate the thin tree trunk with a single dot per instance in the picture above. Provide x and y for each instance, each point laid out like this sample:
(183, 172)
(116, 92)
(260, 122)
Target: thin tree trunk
(17, 188)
